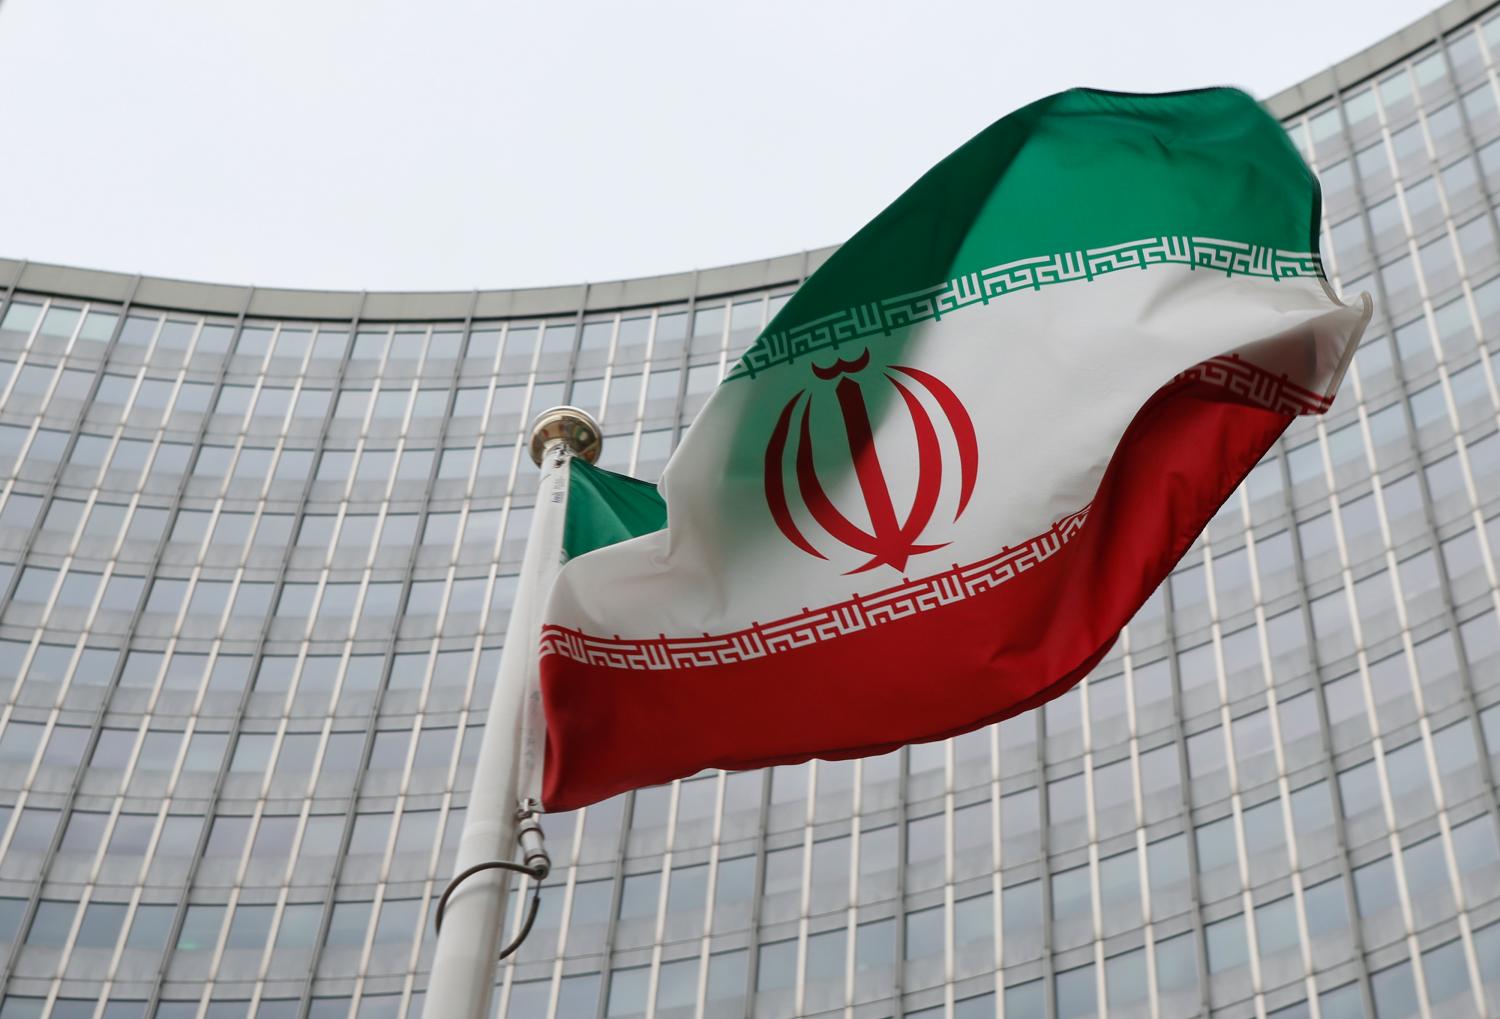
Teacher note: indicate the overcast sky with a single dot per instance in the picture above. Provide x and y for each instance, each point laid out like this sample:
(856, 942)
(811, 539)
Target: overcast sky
(449, 144)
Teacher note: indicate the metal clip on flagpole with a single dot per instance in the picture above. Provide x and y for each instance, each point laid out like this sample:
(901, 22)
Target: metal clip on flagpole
(503, 806)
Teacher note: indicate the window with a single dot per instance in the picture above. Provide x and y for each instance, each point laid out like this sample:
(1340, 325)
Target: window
(1475, 846)
(1021, 910)
(729, 972)
(578, 994)
(1166, 862)
(1312, 808)
(374, 468)
(398, 921)
(875, 945)
(1407, 768)
(275, 673)
(250, 927)
(298, 755)
(1487, 948)
(425, 597)
(877, 850)
(1394, 991)
(299, 925)
(627, 991)
(334, 465)
(34, 829)
(131, 835)
(1075, 993)
(1119, 882)
(677, 984)
(227, 837)
(51, 923)
(273, 837)
(1252, 735)
(179, 836)
(974, 920)
(320, 672)
(1344, 699)
(591, 902)
(1216, 845)
(783, 871)
(825, 956)
(1071, 895)
(1375, 887)
(1125, 978)
(924, 932)
(150, 927)
(924, 838)
(390, 749)
(293, 465)
(1020, 812)
(1065, 799)
(330, 344)
(390, 402)
(1226, 943)
(1176, 963)
(1348, 239)
(1161, 770)
(638, 895)
(296, 601)
(35, 585)
(205, 751)
(111, 750)
(351, 404)
(1446, 974)
(371, 831)
(1276, 926)
(346, 927)
(1025, 999)
(1426, 871)
(1359, 788)
(1265, 835)
(312, 404)
(233, 401)
(254, 341)
(85, 831)
(19, 741)
(1326, 910)
(778, 965)
(252, 752)
(293, 343)
(10, 918)
(337, 602)
(252, 467)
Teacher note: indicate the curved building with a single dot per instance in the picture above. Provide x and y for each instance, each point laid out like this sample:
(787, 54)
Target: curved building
(258, 552)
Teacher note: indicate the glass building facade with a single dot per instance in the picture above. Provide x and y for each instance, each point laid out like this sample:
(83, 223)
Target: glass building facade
(257, 551)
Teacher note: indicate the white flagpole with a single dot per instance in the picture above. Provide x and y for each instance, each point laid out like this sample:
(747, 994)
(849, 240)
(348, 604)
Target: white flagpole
(463, 965)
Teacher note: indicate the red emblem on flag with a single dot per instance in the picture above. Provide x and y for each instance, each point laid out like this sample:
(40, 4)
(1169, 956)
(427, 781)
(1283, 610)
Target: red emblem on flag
(889, 541)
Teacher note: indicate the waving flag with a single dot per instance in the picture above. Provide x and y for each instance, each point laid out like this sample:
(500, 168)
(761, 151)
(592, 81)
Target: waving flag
(956, 463)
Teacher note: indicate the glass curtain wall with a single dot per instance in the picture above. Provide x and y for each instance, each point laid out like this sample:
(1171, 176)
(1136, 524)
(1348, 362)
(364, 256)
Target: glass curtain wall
(255, 571)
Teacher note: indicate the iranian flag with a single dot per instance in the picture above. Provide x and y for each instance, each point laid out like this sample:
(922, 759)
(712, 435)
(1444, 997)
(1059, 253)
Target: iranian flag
(938, 484)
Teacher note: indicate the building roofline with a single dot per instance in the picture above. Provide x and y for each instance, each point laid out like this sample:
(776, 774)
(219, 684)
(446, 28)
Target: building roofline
(645, 291)
(407, 305)
(1371, 60)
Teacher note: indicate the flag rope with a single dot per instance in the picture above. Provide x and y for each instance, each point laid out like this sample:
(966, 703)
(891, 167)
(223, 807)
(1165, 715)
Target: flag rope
(537, 866)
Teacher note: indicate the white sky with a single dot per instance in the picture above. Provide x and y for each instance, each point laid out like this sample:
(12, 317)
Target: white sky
(449, 144)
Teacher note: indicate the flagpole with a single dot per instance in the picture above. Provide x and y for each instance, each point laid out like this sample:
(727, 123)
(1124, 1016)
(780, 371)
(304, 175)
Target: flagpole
(468, 947)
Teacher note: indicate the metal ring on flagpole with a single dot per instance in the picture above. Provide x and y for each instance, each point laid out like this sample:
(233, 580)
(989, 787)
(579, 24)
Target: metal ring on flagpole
(571, 426)
(537, 873)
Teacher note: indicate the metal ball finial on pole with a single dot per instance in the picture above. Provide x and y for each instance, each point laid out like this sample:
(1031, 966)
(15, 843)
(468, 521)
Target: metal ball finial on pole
(571, 426)
(509, 763)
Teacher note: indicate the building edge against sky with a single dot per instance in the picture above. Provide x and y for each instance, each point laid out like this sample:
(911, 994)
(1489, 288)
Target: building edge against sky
(257, 548)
